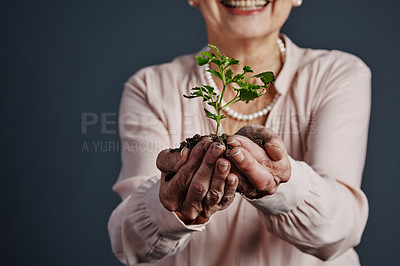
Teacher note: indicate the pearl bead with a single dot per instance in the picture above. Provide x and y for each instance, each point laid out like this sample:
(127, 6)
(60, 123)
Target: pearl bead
(255, 116)
(245, 117)
(240, 116)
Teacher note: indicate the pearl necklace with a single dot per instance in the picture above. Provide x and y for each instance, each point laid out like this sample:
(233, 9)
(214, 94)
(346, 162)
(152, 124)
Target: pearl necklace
(237, 115)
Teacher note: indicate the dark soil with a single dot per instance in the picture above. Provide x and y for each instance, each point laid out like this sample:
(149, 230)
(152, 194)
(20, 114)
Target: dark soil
(192, 141)
(258, 141)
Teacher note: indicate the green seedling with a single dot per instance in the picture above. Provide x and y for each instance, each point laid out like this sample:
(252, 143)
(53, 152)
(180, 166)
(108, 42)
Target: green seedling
(245, 91)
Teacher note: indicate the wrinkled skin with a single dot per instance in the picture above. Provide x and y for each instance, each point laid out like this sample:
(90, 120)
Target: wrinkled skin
(195, 184)
(202, 183)
(260, 170)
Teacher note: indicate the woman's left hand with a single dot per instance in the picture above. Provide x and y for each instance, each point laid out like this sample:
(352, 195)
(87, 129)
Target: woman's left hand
(260, 170)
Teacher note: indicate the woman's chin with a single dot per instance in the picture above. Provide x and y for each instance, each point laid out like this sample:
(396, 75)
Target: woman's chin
(245, 22)
(247, 30)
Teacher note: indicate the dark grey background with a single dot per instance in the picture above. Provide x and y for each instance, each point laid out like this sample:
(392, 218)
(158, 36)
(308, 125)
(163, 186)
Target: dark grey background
(60, 59)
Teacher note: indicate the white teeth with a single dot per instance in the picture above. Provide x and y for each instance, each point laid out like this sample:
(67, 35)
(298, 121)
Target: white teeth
(245, 5)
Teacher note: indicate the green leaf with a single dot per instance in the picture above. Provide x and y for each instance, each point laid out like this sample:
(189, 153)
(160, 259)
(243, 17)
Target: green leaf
(217, 61)
(210, 115)
(228, 75)
(233, 61)
(238, 77)
(253, 86)
(198, 92)
(215, 73)
(249, 92)
(198, 89)
(201, 61)
(248, 95)
(193, 95)
(209, 89)
(208, 55)
(216, 49)
(230, 61)
(242, 84)
(189, 96)
(213, 104)
(247, 69)
(266, 77)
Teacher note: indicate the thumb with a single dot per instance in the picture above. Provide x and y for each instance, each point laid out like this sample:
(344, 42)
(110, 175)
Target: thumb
(170, 160)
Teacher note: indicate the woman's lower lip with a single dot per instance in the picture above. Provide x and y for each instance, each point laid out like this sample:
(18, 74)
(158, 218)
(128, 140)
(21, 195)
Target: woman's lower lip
(241, 12)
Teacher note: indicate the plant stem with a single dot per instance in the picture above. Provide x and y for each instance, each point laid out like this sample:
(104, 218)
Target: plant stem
(219, 100)
(218, 122)
(234, 100)
(221, 70)
(245, 79)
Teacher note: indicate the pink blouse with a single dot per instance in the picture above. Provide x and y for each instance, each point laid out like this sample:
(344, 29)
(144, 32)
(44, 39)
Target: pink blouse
(316, 218)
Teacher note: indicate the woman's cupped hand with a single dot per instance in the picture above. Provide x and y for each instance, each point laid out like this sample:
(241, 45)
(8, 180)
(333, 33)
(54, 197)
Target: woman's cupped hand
(261, 167)
(195, 184)
(199, 182)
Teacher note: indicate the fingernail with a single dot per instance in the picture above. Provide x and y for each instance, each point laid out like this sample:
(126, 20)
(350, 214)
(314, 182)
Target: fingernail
(207, 144)
(238, 156)
(182, 151)
(231, 180)
(223, 166)
(234, 143)
(217, 150)
(275, 146)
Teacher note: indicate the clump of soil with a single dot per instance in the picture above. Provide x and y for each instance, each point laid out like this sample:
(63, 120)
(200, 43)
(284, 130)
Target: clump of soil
(258, 141)
(192, 141)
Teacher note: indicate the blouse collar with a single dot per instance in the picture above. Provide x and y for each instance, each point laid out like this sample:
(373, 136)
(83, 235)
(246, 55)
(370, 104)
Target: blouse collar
(285, 77)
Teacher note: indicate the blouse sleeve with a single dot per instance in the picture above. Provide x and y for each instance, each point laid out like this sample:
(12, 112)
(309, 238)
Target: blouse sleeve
(140, 228)
(322, 210)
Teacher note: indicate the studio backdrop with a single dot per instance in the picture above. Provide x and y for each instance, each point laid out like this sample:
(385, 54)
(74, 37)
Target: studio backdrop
(63, 65)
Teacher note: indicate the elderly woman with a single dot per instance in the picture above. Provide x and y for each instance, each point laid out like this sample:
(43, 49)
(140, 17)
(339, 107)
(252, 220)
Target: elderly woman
(301, 202)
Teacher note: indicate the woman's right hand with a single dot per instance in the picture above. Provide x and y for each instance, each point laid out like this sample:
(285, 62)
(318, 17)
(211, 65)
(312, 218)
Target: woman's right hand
(196, 183)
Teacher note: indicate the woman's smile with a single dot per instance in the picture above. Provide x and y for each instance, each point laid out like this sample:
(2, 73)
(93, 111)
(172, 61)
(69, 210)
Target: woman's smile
(241, 7)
